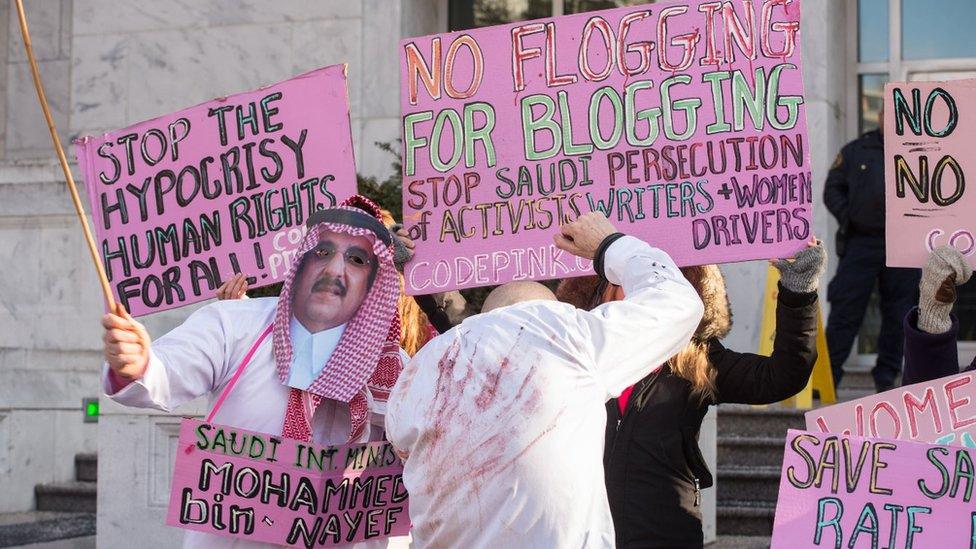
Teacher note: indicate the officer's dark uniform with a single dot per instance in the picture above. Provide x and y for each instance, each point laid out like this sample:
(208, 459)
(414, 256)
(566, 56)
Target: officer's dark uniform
(854, 194)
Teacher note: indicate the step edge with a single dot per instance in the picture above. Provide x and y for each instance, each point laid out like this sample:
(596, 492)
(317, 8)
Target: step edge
(755, 512)
(752, 440)
(774, 414)
(760, 469)
(765, 504)
(80, 487)
(23, 533)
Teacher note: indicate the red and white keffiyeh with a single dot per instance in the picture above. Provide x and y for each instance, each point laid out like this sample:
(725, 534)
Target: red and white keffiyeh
(367, 357)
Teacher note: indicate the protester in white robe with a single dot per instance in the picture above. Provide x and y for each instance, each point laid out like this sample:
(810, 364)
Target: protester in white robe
(501, 419)
(337, 338)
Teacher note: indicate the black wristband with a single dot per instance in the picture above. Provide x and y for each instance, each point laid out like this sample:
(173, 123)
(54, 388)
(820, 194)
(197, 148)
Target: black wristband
(601, 250)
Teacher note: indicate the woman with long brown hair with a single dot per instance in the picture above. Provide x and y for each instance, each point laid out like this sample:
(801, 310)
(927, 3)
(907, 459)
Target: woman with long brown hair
(653, 465)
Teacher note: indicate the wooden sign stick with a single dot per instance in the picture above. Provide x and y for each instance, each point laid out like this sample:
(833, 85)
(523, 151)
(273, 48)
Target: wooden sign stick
(79, 209)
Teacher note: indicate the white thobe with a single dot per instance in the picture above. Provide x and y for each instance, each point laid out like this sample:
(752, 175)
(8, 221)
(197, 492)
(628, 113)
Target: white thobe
(502, 418)
(310, 352)
(201, 355)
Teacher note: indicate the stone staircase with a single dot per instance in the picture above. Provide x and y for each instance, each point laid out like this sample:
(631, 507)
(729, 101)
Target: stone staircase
(76, 496)
(750, 456)
(64, 509)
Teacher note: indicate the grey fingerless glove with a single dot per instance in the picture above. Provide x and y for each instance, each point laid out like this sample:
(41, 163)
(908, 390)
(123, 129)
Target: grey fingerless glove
(943, 270)
(400, 252)
(802, 274)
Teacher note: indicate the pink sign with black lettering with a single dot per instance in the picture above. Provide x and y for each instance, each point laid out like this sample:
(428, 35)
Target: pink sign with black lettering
(182, 202)
(929, 132)
(260, 487)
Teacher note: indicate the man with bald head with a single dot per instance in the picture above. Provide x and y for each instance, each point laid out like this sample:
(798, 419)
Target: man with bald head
(516, 292)
(501, 420)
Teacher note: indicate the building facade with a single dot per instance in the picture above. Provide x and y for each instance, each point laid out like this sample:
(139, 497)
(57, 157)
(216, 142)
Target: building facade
(107, 64)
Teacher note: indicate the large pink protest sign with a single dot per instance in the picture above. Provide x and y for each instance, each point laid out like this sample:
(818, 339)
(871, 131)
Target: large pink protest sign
(839, 491)
(929, 130)
(266, 488)
(941, 411)
(182, 202)
(684, 122)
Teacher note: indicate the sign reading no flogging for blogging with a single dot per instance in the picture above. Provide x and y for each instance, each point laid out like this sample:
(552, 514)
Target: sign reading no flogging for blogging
(683, 122)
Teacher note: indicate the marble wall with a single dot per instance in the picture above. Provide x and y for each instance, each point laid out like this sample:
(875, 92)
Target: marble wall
(48, 316)
(137, 449)
(48, 333)
(137, 60)
(25, 134)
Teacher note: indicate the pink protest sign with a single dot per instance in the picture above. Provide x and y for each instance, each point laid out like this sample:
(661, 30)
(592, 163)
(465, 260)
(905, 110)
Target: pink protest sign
(182, 202)
(684, 122)
(839, 491)
(941, 411)
(266, 488)
(929, 130)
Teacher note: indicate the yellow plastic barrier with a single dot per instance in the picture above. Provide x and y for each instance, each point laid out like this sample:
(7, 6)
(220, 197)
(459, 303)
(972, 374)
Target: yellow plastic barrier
(821, 379)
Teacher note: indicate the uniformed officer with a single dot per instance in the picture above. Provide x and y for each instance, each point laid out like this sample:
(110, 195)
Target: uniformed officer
(854, 194)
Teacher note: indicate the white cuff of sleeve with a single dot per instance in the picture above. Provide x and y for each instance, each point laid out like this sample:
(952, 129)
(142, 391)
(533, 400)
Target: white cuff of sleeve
(139, 393)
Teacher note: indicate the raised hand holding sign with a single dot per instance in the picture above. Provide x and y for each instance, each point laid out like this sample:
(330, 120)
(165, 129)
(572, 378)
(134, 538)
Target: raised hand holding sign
(126, 344)
(583, 237)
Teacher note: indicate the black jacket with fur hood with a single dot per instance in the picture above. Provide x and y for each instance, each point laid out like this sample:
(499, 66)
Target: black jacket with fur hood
(654, 468)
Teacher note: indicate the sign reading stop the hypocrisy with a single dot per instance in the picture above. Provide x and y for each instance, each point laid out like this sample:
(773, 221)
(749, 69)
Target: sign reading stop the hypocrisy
(182, 202)
(683, 122)
(265, 488)
(941, 411)
(929, 132)
(847, 491)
